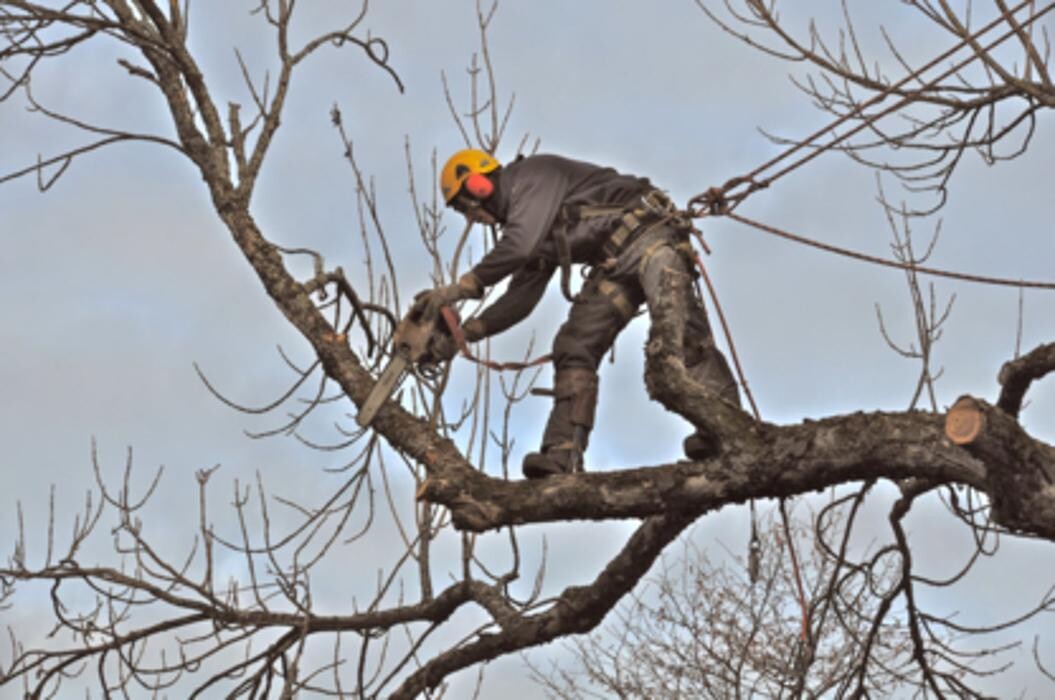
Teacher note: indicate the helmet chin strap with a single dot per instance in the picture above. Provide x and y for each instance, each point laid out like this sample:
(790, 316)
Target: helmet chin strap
(465, 202)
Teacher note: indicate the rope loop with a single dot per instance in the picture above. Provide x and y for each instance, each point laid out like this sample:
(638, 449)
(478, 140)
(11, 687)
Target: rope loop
(720, 201)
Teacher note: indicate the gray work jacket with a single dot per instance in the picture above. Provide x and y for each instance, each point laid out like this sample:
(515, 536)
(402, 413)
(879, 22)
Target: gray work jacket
(533, 197)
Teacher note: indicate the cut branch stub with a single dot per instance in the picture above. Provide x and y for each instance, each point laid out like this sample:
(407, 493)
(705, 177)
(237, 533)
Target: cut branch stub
(1019, 469)
(965, 421)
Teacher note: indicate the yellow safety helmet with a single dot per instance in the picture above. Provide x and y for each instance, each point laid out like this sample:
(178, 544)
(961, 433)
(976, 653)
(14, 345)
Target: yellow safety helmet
(463, 165)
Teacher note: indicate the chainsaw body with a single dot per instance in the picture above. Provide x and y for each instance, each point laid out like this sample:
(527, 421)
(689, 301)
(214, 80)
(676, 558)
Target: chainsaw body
(410, 346)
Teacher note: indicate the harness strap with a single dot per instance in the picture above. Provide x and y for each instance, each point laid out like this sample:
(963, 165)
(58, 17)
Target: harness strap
(631, 221)
(617, 298)
(592, 211)
(683, 247)
(652, 207)
(564, 258)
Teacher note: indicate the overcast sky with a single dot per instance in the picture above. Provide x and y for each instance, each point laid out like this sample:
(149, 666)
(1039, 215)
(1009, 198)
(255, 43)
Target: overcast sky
(118, 278)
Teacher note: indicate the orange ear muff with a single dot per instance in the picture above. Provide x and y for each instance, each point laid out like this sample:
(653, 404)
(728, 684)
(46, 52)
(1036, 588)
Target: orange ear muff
(479, 186)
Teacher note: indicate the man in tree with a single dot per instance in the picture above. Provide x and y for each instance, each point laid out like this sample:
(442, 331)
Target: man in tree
(554, 212)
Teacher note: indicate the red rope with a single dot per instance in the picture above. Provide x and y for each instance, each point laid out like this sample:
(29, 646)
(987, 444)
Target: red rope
(725, 329)
(805, 632)
(454, 325)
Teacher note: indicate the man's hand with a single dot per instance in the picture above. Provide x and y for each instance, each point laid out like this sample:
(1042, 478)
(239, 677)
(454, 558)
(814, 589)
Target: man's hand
(467, 287)
(443, 346)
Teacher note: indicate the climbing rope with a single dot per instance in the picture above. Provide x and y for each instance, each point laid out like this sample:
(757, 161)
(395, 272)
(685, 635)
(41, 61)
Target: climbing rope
(754, 552)
(722, 200)
(912, 267)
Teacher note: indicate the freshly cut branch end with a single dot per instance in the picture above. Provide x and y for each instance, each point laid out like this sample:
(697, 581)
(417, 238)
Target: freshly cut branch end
(965, 421)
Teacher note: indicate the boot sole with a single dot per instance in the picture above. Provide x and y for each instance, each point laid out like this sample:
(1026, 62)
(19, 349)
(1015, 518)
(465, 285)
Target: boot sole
(540, 472)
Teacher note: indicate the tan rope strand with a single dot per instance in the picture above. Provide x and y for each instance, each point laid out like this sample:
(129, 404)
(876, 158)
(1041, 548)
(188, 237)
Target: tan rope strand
(908, 99)
(857, 112)
(864, 257)
(725, 330)
(888, 91)
(798, 575)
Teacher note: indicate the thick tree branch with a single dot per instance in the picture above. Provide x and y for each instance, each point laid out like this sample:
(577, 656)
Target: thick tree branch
(762, 461)
(578, 609)
(1020, 471)
(758, 460)
(774, 462)
(1017, 375)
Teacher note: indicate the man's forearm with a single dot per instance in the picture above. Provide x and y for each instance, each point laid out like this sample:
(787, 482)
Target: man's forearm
(512, 307)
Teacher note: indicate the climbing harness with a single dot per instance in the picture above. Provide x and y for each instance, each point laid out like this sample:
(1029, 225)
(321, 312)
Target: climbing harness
(651, 209)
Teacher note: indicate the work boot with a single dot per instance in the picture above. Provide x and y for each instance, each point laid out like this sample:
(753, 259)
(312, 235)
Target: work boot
(700, 447)
(706, 365)
(539, 465)
(568, 428)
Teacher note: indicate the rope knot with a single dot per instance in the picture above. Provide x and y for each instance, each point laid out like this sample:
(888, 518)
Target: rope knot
(715, 201)
(710, 203)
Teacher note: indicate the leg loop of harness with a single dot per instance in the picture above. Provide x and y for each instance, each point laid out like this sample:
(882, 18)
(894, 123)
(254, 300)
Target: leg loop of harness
(618, 298)
(683, 247)
(564, 259)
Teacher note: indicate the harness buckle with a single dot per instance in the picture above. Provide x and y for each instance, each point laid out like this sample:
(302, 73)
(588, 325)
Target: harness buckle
(657, 202)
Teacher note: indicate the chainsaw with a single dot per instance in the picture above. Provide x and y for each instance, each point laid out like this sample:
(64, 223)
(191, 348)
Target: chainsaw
(411, 345)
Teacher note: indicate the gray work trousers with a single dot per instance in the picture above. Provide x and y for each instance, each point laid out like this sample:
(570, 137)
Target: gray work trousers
(606, 304)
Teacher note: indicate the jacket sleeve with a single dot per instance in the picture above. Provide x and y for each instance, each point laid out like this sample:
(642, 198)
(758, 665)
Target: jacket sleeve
(523, 294)
(535, 201)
